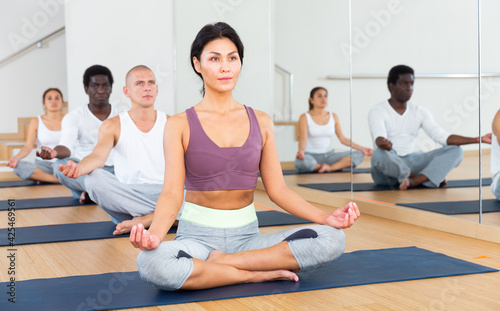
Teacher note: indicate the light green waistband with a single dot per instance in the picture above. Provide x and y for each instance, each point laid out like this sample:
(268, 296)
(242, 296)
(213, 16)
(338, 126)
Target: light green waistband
(217, 218)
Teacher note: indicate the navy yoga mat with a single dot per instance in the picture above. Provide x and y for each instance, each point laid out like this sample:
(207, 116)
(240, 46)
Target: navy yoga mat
(335, 187)
(126, 289)
(104, 230)
(41, 203)
(345, 170)
(456, 207)
(21, 183)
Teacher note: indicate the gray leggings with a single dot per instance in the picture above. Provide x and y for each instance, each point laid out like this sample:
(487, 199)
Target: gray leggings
(312, 159)
(390, 169)
(25, 169)
(169, 266)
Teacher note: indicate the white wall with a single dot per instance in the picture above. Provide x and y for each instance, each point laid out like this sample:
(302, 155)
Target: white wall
(251, 19)
(25, 78)
(307, 37)
(120, 34)
(431, 36)
(23, 23)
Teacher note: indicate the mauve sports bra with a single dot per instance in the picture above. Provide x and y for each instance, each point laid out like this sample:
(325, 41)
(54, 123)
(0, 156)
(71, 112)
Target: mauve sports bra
(210, 167)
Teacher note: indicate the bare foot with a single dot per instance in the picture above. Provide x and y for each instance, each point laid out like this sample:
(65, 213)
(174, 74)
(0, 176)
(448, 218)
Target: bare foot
(126, 225)
(324, 168)
(443, 183)
(84, 198)
(404, 184)
(277, 275)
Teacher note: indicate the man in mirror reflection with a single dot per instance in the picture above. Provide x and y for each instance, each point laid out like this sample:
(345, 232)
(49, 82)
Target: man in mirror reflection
(394, 126)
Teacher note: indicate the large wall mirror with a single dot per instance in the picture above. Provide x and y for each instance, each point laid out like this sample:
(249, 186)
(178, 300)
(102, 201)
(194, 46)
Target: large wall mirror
(440, 41)
(489, 97)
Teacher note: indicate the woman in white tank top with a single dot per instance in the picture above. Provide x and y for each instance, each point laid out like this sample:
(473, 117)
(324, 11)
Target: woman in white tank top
(46, 131)
(316, 130)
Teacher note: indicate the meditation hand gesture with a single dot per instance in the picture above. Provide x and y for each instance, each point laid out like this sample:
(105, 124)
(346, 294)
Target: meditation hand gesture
(143, 239)
(384, 143)
(343, 217)
(486, 138)
(46, 153)
(70, 170)
(300, 155)
(367, 151)
(12, 163)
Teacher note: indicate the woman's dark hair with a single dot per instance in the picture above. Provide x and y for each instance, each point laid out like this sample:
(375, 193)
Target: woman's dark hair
(94, 71)
(311, 95)
(396, 71)
(210, 33)
(52, 89)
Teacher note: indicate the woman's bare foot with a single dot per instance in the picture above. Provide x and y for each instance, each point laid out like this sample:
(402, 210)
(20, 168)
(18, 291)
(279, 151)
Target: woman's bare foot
(324, 168)
(443, 183)
(277, 275)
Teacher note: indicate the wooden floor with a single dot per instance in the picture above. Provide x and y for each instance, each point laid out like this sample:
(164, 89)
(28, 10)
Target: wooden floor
(469, 292)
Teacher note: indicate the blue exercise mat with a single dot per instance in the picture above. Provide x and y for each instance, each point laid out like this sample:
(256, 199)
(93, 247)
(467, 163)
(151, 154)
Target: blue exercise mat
(336, 187)
(456, 207)
(345, 170)
(22, 183)
(42, 203)
(126, 290)
(104, 230)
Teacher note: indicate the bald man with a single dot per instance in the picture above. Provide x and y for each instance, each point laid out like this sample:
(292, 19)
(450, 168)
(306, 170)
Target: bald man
(136, 136)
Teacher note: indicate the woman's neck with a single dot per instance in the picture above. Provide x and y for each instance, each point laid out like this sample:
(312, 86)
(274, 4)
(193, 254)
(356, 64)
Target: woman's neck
(53, 115)
(218, 101)
(316, 111)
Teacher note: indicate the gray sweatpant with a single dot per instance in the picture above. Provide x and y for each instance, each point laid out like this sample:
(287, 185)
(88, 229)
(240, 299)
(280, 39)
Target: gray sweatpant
(76, 185)
(390, 169)
(121, 201)
(312, 159)
(25, 169)
(168, 266)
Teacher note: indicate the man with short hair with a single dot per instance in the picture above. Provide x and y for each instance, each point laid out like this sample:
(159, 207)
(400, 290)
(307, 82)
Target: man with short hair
(136, 137)
(394, 125)
(79, 128)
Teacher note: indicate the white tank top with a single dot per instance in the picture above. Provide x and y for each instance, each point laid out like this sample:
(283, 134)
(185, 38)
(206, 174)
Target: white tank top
(46, 137)
(495, 156)
(138, 157)
(319, 137)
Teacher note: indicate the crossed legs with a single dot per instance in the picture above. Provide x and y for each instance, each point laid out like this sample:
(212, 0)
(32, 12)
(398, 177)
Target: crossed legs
(429, 169)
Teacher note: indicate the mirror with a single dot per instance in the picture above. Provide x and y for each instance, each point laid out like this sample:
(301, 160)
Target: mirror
(439, 41)
(490, 97)
(306, 52)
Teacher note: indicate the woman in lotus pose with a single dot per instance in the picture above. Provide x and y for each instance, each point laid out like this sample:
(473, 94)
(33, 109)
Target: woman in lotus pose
(46, 129)
(316, 128)
(216, 149)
